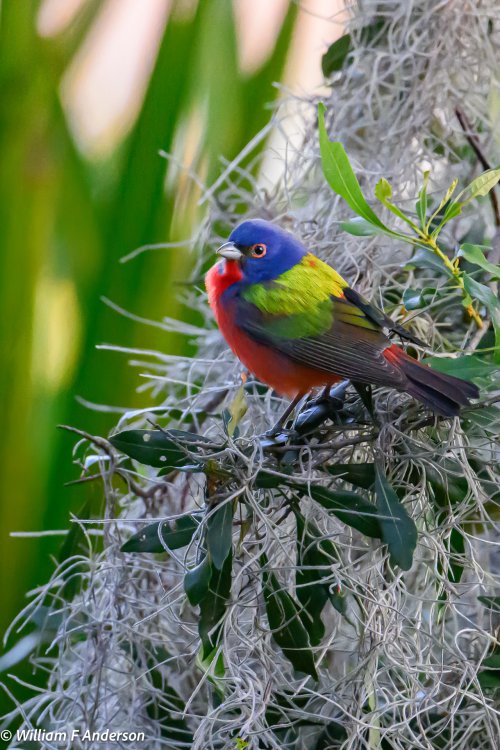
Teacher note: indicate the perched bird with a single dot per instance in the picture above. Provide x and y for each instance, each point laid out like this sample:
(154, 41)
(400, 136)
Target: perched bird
(295, 323)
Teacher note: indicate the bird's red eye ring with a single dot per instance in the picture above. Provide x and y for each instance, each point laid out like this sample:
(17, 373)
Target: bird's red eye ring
(258, 250)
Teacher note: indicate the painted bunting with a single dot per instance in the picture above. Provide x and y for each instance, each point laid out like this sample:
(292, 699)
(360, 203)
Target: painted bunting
(295, 323)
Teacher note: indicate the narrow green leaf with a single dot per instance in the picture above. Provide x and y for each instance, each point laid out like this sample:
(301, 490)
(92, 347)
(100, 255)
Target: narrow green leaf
(383, 191)
(161, 449)
(399, 532)
(414, 299)
(425, 258)
(340, 176)
(213, 606)
(484, 294)
(360, 475)
(492, 662)
(337, 55)
(447, 483)
(334, 735)
(173, 534)
(334, 58)
(197, 581)
(168, 712)
(488, 418)
(491, 602)
(481, 186)
(421, 204)
(286, 625)
(489, 676)
(220, 534)
(456, 549)
(481, 292)
(489, 680)
(349, 507)
(315, 556)
(436, 217)
(474, 254)
(266, 481)
(237, 410)
(359, 227)
(469, 367)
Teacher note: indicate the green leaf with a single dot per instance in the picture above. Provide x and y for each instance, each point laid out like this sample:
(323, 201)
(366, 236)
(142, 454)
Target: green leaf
(493, 662)
(491, 602)
(483, 294)
(333, 736)
(162, 712)
(315, 556)
(173, 534)
(474, 254)
(488, 418)
(447, 483)
(349, 507)
(469, 367)
(421, 204)
(399, 531)
(197, 581)
(266, 481)
(452, 210)
(456, 549)
(340, 176)
(220, 533)
(237, 410)
(360, 475)
(481, 186)
(436, 216)
(286, 625)
(425, 258)
(489, 677)
(489, 680)
(333, 59)
(337, 53)
(414, 299)
(383, 191)
(161, 449)
(213, 606)
(359, 227)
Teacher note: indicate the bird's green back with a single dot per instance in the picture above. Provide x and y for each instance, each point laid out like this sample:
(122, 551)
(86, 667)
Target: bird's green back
(305, 301)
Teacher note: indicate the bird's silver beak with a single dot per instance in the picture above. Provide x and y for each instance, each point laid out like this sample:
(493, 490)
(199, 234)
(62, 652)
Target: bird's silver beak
(229, 251)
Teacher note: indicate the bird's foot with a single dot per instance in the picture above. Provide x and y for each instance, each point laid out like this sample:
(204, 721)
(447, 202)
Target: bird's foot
(276, 437)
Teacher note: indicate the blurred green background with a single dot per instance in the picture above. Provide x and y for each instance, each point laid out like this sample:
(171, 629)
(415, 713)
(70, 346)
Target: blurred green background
(82, 185)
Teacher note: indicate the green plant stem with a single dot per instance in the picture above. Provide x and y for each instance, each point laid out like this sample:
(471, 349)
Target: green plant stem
(455, 271)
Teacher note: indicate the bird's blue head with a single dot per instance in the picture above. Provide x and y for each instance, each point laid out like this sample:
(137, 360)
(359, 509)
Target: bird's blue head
(262, 250)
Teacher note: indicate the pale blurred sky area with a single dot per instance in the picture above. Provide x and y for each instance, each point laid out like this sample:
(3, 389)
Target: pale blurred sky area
(103, 88)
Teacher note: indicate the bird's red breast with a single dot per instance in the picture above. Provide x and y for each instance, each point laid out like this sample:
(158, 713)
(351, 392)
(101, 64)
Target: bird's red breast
(271, 367)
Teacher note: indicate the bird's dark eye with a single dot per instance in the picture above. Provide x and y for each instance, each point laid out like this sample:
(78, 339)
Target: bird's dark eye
(258, 251)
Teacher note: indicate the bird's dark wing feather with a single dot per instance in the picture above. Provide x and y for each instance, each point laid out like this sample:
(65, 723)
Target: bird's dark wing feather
(377, 316)
(351, 346)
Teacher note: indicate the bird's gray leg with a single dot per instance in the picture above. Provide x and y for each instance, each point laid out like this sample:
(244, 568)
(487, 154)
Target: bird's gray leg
(283, 418)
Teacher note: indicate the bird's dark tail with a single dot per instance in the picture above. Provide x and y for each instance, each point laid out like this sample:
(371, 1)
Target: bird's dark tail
(444, 394)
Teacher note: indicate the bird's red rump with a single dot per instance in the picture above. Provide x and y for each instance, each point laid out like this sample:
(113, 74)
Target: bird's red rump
(394, 354)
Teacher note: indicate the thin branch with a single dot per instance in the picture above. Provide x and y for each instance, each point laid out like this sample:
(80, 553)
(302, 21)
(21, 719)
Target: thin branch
(474, 143)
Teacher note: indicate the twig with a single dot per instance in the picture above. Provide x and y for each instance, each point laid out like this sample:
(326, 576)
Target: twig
(474, 143)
